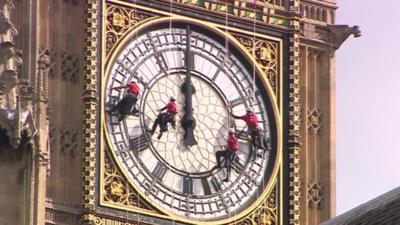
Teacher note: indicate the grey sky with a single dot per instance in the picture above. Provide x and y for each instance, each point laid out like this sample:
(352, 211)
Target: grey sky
(368, 102)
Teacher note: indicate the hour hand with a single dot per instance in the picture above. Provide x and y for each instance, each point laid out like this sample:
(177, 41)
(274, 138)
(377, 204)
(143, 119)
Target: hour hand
(189, 123)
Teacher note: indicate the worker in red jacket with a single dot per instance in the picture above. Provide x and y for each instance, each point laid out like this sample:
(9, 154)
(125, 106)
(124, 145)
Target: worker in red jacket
(128, 102)
(229, 153)
(164, 118)
(251, 120)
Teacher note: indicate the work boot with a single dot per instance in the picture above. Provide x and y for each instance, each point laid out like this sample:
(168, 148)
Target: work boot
(134, 112)
(120, 118)
(151, 132)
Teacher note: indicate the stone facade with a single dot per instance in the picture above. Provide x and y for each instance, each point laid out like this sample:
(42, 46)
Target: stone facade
(49, 89)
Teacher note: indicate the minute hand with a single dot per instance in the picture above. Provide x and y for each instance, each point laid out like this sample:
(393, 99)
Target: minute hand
(188, 121)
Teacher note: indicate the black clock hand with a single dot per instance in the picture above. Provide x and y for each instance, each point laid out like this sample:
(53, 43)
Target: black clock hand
(188, 121)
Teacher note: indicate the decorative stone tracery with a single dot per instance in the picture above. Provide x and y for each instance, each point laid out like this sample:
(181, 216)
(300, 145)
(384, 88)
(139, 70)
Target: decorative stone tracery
(68, 141)
(70, 67)
(314, 194)
(314, 120)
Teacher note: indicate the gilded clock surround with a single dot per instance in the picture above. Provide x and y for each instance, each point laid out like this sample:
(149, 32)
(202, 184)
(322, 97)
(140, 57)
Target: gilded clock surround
(267, 58)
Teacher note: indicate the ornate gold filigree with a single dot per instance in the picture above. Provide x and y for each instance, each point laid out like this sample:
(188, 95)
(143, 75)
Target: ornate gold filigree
(191, 2)
(266, 213)
(120, 20)
(278, 21)
(266, 53)
(107, 221)
(117, 190)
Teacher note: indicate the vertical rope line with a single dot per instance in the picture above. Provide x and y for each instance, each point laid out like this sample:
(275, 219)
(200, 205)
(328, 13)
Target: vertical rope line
(168, 73)
(254, 50)
(138, 195)
(254, 81)
(226, 73)
(226, 52)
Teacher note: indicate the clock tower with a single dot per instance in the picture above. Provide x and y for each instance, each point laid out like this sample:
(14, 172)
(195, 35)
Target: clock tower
(85, 82)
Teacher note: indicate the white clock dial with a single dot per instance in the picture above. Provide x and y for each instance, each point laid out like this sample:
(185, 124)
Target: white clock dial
(183, 180)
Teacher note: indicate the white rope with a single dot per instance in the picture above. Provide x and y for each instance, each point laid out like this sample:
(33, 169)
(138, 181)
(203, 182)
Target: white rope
(226, 73)
(226, 54)
(168, 73)
(254, 50)
(254, 81)
(136, 37)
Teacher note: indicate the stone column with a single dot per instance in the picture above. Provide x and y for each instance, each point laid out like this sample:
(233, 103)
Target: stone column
(41, 150)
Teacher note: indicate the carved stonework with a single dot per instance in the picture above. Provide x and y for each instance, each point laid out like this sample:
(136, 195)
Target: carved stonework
(5, 24)
(42, 159)
(47, 61)
(106, 221)
(68, 141)
(339, 34)
(69, 67)
(309, 31)
(314, 195)
(314, 120)
(266, 213)
(63, 140)
(294, 118)
(54, 216)
(53, 133)
(120, 20)
(74, 2)
(25, 93)
(15, 92)
(46, 68)
(117, 191)
(90, 99)
(226, 7)
(194, 2)
(267, 56)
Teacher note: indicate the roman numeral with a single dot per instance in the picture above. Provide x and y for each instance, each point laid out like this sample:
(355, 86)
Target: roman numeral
(139, 143)
(249, 180)
(216, 184)
(161, 62)
(124, 153)
(216, 75)
(187, 185)
(237, 166)
(129, 60)
(159, 171)
(206, 186)
(236, 102)
(131, 51)
(122, 64)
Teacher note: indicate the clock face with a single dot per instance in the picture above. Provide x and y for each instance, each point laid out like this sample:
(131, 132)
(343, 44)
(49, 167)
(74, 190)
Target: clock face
(182, 180)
